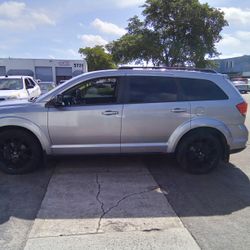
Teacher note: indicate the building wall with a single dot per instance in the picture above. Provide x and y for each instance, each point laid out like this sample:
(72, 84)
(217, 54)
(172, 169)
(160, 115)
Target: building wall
(41, 68)
(237, 65)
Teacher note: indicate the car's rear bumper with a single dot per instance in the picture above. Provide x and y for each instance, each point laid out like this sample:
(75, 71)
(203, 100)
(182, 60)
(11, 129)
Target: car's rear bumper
(239, 137)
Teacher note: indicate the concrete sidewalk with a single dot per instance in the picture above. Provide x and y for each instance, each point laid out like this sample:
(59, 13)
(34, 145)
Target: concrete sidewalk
(106, 205)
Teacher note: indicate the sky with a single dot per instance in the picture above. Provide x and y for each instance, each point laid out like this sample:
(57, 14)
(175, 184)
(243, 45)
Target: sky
(56, 29)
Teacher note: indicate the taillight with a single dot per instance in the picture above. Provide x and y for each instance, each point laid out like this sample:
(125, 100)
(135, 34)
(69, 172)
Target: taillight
(242, 107)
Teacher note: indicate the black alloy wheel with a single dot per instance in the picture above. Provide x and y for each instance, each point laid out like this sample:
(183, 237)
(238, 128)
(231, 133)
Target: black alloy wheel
(199, 153)
(20, 152)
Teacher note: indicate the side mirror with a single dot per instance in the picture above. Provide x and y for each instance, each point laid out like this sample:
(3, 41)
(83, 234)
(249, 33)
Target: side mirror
(58, 101)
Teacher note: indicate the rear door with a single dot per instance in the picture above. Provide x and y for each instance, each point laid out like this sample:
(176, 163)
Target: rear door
(207, 100)
(152, 112)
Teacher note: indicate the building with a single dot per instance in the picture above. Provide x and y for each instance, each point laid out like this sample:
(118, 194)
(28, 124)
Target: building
(237, 66)
(43, 69)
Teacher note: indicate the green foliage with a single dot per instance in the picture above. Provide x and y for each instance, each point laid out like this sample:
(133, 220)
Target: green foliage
(173, 33)
(97, 58)
(139, 44)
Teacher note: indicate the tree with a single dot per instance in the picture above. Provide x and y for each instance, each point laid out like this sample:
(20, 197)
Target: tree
(97, 58)
(173, 33)
(138, 45)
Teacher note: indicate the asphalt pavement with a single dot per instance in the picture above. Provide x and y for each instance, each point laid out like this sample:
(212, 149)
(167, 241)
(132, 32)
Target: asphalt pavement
(143, 202)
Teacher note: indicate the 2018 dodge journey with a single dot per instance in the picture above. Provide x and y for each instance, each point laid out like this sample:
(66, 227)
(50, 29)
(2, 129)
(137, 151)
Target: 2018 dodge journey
(197, 115)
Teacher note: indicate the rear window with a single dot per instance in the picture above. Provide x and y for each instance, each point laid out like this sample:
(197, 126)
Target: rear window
(200, 90)
(151, 89)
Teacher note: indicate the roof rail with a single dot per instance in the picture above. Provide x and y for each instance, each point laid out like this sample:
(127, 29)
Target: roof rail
(170, 68)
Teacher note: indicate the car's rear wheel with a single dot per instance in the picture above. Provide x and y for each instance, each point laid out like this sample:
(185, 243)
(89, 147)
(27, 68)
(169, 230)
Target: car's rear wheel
(20, 152)
(199, 153)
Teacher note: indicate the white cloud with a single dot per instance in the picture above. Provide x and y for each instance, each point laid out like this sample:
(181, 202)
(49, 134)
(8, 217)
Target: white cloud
(232, 55)
(216, 3)
(237, 16)
(230, 41)
(11, 9)
(17, 16)
(243, 35)
(60, 53)
(128, 3)
(51, 57)
(92, 40)
(108, 28)
(72, 52)
(236, 44)
(41, 18)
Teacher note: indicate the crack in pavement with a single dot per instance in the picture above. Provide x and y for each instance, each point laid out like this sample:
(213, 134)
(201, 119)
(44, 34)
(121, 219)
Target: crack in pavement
(100, 202)
(117, 203)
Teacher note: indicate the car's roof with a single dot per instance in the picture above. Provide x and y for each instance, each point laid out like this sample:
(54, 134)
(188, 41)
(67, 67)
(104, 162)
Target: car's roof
(13, 77)
(156, 72)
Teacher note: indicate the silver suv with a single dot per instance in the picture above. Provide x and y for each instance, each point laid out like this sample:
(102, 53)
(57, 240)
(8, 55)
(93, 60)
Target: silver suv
(197, 115)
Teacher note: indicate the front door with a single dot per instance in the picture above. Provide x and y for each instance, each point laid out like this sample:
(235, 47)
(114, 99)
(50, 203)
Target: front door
(90, 120)
(30, 87)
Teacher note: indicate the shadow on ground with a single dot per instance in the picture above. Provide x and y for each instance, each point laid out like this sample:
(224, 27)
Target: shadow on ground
(224, 191)
(221, 192)
(21, 195)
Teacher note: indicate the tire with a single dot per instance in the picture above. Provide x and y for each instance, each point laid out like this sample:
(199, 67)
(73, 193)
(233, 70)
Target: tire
(199, 152)
(20, 152)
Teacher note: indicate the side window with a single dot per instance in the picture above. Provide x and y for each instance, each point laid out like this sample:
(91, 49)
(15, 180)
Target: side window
(32, 82)
(29, 84)
(96, 91)
(198, 90)
(152, 89)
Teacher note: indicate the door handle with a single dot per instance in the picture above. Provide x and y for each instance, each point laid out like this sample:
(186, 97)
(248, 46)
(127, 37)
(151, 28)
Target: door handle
(110, 112)
(178, 110)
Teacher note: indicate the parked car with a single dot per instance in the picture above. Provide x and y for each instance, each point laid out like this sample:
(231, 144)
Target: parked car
(248, 85)
(46, 86)
(242, 86)
(197, 115)
(18, 87)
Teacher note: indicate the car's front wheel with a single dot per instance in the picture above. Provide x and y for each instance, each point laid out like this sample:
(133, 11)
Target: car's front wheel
(20, 152)
(199, 153)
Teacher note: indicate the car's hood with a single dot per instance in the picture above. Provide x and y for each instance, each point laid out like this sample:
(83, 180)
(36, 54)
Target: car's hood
(16, 103)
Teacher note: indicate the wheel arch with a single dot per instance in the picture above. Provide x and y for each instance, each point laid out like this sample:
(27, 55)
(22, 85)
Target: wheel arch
(30, 127)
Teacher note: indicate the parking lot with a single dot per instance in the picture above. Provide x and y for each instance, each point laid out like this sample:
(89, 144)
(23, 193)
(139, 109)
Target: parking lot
(127, 202)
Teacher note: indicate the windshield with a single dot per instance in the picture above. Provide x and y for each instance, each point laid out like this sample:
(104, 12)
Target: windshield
(11, 84)
(46, 85)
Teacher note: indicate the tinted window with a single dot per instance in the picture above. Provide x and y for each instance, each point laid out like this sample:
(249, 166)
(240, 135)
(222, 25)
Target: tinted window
(147, 89)
(96, 91)
(198, 89)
